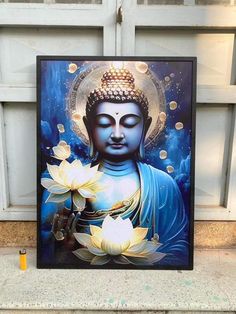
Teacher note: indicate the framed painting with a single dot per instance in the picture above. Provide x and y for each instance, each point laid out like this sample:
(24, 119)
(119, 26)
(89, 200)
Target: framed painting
(115, 162)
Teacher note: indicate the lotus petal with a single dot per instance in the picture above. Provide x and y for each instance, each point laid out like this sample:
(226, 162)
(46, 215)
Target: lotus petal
(151, 247)
(83, 238)
(54, 173)
(97, 176)
(91, 171)
(137, 248)
(93, 186)
(96, 241)
(67, 149)
(126, 225)
(84, 254)
(81, 175)
(86, 193)
(64, 165)
(120, 259)
(61, 151)
(58, 198)
(138, 235)
(96, 251)
(65, 172)
(156, 257)
(113, 248)
(74, 185)
(116, 235)
(96, 235)
(92, 175)
(138, 261)
(78, 201)
(107, 222)
(61, 156)
(100, 260)
(76, 163)
(57, 188)
(126, 253)
(62, 143)
(95, 230)
(94, 168)
(46, 182)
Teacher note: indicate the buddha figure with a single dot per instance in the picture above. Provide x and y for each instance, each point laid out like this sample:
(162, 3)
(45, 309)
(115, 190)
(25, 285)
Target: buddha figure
(117, 120)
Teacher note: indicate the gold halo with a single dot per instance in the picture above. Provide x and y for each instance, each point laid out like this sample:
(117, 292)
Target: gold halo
(90, 79)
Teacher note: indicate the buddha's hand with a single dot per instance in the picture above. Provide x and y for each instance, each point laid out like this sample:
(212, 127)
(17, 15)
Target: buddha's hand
(63, 224)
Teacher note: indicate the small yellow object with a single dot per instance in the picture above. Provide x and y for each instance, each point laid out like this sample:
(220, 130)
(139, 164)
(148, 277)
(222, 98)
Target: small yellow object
(23, 259)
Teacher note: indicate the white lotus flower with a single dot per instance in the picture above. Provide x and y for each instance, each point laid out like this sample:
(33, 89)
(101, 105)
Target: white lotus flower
(72, 179)
(61, 151)
(118, 241)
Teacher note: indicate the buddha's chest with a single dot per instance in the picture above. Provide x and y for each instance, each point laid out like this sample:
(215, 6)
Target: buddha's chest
(115, 190)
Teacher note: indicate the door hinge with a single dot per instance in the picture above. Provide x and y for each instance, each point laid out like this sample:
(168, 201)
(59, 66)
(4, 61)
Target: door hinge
(120, 15)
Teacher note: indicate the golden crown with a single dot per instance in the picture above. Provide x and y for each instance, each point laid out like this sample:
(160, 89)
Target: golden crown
(117, 85)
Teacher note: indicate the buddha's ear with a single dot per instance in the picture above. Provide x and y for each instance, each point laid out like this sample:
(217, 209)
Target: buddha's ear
(92, 150)
(86, 123)
(147, 125)
(141, 151)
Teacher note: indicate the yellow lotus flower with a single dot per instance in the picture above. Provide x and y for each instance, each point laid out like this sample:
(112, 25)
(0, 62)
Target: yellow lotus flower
(72, 179)
(119, 242)
(61, 151)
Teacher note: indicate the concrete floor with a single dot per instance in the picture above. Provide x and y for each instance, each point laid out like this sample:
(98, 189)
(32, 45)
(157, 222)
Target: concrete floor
(211, 286)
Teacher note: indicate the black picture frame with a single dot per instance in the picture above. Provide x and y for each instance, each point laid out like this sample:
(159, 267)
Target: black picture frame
(42, 245)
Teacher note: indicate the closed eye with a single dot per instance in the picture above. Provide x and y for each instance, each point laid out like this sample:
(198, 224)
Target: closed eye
(130, 121)
(104, 121)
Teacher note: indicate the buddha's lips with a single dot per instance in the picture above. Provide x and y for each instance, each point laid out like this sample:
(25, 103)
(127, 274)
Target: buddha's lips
(117, 145)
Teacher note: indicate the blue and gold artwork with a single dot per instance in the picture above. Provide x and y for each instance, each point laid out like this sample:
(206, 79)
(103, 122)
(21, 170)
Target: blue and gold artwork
(115, 174)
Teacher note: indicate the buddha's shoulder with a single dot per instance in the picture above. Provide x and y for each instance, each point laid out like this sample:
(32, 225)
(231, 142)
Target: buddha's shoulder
(157, 174)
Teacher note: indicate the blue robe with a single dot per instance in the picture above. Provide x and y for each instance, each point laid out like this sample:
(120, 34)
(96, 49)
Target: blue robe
(162, 211)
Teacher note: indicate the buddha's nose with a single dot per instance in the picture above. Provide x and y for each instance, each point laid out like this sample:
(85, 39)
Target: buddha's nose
(117, 135)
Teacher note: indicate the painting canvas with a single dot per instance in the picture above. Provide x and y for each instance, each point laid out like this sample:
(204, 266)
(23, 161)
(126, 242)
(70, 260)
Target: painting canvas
(115, 162)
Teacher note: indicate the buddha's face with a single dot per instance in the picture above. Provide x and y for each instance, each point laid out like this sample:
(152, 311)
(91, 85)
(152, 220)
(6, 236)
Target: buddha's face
(117, 129)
